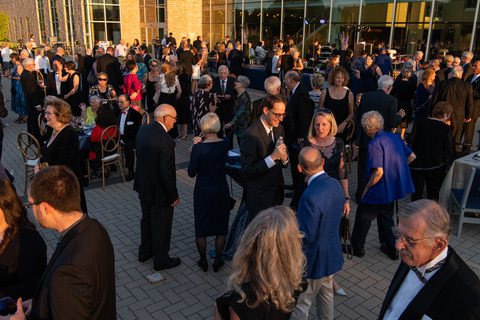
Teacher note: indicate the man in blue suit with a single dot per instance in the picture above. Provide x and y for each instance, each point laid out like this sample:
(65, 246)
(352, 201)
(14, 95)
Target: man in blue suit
(319, 215)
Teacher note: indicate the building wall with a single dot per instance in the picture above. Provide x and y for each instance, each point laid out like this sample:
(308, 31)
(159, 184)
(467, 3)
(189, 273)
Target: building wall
(184, 18)
(20, 10)
(130, 17)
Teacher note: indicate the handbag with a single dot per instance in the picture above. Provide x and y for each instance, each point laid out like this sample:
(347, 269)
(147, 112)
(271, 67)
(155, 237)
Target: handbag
(13, 91)
(92, 79)
(345, 232)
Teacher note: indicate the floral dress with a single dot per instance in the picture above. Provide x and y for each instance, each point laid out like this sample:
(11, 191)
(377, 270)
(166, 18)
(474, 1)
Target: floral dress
(201, 102)
(243, 111)
(142, 70)
(18, 100)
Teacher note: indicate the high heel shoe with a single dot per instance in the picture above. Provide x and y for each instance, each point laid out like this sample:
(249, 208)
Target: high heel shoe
(340, 292)
(218, 265)
(203, 265)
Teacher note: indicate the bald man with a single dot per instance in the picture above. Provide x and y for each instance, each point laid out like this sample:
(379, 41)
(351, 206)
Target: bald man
(155, 182)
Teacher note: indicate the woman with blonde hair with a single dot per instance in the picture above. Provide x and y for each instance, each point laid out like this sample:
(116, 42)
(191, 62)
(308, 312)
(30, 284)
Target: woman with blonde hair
(424, 93)
(221, 56)
(266, 279)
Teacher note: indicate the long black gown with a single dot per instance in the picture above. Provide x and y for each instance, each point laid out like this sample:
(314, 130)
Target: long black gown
(77, 98)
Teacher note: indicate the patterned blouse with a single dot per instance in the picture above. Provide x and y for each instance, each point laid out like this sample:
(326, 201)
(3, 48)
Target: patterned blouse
(242, 110)
(334, 155)
(201, 102)
(142, 70)
(94, 91)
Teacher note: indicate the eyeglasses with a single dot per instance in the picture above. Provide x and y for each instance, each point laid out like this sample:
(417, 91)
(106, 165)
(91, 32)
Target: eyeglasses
(102, 79)
(325, 110)
(30, 204)
(410, 242)
(49, 113)
(171, 116)
(278, 115)
(154, 65)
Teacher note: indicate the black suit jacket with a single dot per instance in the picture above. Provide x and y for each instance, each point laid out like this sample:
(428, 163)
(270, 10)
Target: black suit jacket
(187, 58)
(453, 292)
(197, 44)
(52, 86)
(225, 108)
(49, 55)
(79, 281)
(56, 57)
(263, 185)
(257, 110)
(379, 101)
(268, 61)
(171, 41)
(235, 57)
(88, 62)
(439, 76)
(133, 121)
(146, 59)
(33, 93)
(476, 96)
(300, 109)
(467, 71)
(155, 176)
(109, 64)
(458, 94)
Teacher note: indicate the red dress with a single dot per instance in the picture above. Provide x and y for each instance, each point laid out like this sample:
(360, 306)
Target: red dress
(95, 137)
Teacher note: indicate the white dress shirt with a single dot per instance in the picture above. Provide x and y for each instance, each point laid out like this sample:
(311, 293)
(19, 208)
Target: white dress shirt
(123, 117)
(314, 176)
(475, 76)
(120, 51)
(410, 287)
(58, 84)
(42, 64)
(163, 126)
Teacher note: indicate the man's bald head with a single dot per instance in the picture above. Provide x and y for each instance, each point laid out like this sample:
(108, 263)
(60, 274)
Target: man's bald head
(310, 161)
(164, 110)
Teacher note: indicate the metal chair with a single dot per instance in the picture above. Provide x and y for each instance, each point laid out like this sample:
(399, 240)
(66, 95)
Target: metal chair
(145, 118)
(31, 152)
(42, 123)
(348, 148)
(111, 144)
(467, 200)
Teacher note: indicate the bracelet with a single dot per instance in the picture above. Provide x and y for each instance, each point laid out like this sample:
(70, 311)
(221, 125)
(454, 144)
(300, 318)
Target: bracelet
(346, 121)
(347, 198)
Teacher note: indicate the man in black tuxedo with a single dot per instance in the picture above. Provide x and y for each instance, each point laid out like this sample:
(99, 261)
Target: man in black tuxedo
(129, 122)
(157, 187)
(272, 85)
(146, 56)
(268, 62)
(88, 62)
(58, 56)
(439, 75)
(198, 43)
(386, 105)
(235, 56)
(187, 58)
(49, 53)
(224, 87)
(459, 95)
(29, 47)
(54, 86)
(110, 65)
(34, 95)
(171, 42)
(466, 59)
(469, 127)
(300, 109)
(79, 281)
(432, 281)
(262, 159)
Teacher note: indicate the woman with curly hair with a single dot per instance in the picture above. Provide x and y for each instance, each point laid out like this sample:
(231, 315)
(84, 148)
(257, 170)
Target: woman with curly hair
(23, 253)
(266, 280)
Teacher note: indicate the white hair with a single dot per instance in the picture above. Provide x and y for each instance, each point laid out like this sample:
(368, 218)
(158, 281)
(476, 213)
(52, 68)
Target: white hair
(468, 55)
(457, 71)
(271, 84)
(27, 61)
(385, 81)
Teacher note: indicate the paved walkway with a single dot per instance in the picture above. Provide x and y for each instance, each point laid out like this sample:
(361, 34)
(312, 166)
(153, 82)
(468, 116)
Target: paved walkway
(188, 292)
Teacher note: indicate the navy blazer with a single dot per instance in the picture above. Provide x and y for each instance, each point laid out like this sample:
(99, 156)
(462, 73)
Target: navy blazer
(319, 215)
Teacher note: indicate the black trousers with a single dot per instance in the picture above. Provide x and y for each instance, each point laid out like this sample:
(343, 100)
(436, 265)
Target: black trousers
(366, 213)
(468, 131)
(128, 149)
(361, 173)
(225, 118)
(156, 231)
(32, 122)
(457, 131)
(293, 159)
(433, 180)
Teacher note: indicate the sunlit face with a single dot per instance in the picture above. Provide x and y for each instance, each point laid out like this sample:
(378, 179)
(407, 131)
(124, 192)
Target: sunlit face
(37, 213)
(223, 73)
(368, 60)
(275, 116)
(51, 116)
(170, 120)
(336, 61)
(476, 67)
(322, 127)
(123, 104)
(456, 62)
(431, 78)
(339, 79)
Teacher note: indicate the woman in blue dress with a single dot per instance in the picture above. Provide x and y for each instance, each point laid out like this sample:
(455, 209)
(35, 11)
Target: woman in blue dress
(18, 99)
(211, 204)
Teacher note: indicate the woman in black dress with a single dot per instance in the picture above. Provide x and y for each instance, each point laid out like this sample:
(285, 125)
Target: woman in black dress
(203, 102)
(221, 56)
(149, 81)
(339, 100)
(60, 145)
(404, 90)
(211, 198)
(74, 96)
(23, 253)
(369, 73)
(183, 103)
(267, 269)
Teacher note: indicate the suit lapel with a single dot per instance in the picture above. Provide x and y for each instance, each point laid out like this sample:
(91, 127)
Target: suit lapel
(397, 281)
(263, 133)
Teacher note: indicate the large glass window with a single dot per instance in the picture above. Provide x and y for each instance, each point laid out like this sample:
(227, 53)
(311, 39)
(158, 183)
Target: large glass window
(378, 15)
(104, 20)
(344, 12)
(20, 29)
(476, 43)
(252, 21)
(54, 17)
(293, 20)
(41, 21)
(151, 11)
(318, 15)
(271, 21)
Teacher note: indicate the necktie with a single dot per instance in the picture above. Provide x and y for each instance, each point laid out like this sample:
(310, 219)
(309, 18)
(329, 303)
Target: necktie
(435, 267)
(223, 87)
(58, 242)
(474, 78)
(124, 112)
(270, 134)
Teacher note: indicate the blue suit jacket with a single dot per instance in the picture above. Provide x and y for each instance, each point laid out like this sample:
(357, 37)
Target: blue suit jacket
(319, 215)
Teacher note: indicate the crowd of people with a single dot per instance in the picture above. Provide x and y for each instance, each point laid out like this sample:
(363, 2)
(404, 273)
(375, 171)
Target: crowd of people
(283, 258)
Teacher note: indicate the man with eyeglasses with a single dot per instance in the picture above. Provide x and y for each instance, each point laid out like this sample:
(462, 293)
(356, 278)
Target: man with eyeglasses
(432, 281)
(33, 95)
(128, 122)
(263, 157)
(156, 185)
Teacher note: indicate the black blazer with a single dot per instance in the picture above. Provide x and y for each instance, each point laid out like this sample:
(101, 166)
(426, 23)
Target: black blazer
(268, 61)
(226, 106)
(476, 96)
(235, 57)
(79, 282)
(146, 60)
(300, 109)
(197, 44)
(56, 57)
(379, 101)
(467, 71)
(187, 58)
(49, 54)
(133, 121)
(263, 186)
(109, 64)
(52, 86)
(458, 94)
(439, 76)
(452, 293)
(155, 175)
(88, 62)
(31, 90)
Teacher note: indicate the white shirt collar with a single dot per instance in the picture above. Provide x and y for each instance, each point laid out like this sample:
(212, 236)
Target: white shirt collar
(293, 91)
(437, 259)
(315, 175)
(163, 126)
(267, 129)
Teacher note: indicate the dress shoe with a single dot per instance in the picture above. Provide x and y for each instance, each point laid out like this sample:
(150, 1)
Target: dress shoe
(391, 253)
(340, 292)
(203, 265)
(289, 194)
(356, 252)
(218, 265)
(289, 187)
(131, 176)
(143, 259)
(171, 264)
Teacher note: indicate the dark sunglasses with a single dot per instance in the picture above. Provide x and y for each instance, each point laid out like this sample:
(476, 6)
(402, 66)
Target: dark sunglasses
(325, 110)
(153, 65)
(102, 79)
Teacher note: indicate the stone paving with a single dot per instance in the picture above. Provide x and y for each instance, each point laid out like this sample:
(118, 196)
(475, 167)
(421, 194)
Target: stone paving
(188, 292)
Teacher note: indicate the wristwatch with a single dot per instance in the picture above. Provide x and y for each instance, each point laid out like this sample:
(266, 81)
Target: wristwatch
(347, 198)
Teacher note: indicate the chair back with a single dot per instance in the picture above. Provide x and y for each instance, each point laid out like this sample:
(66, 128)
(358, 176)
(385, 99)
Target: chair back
(29, 146)
(111, 142)
(145, 118)
(472, 189)
(42, 123)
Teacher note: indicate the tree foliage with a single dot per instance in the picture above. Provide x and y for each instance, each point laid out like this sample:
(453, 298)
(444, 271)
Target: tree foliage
(4, 26)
